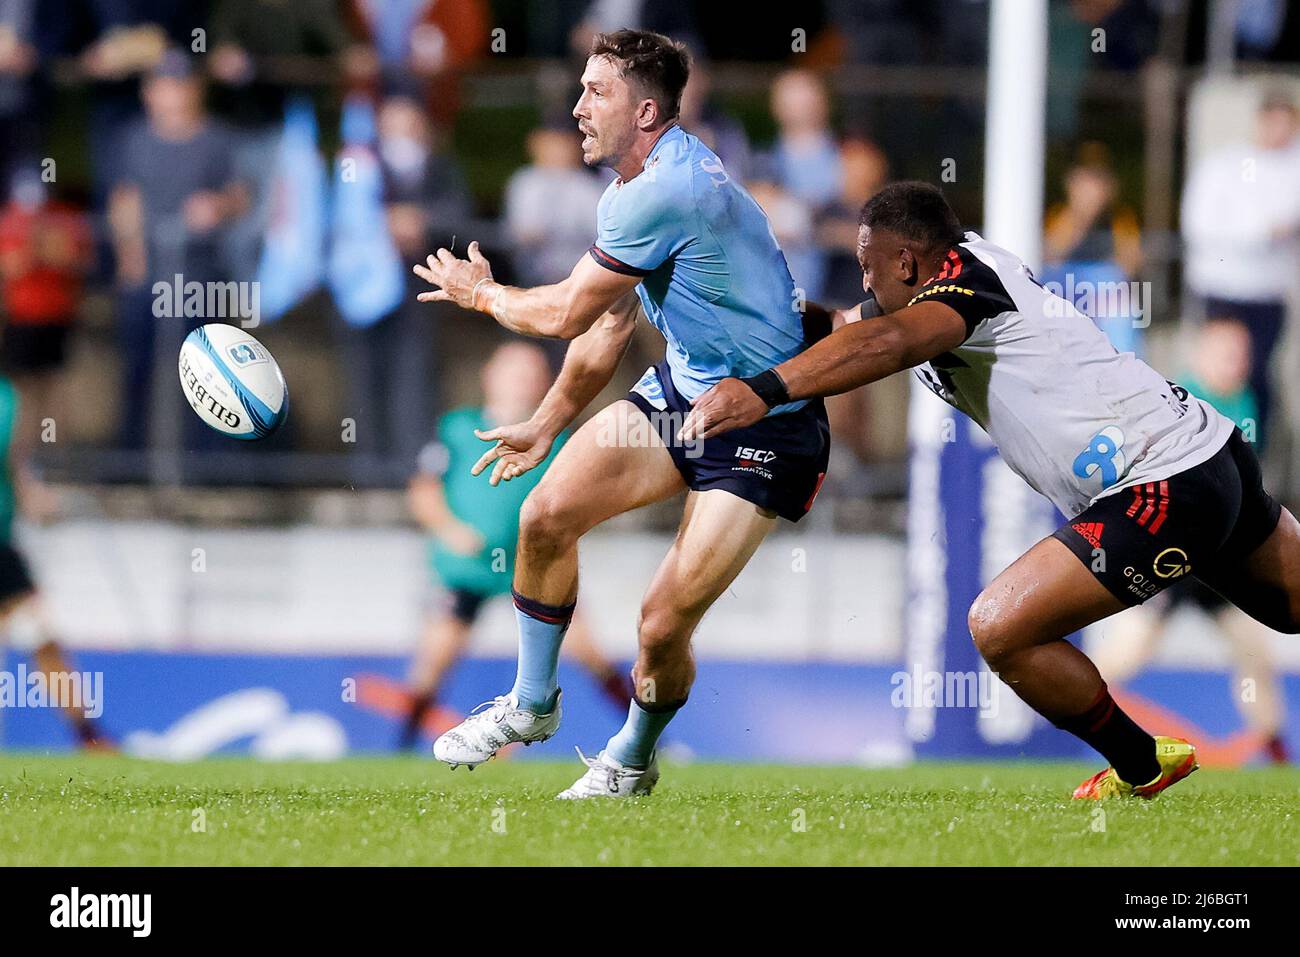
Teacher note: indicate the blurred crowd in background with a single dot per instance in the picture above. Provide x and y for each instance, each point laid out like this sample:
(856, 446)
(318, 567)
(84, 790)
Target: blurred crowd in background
(313, 149)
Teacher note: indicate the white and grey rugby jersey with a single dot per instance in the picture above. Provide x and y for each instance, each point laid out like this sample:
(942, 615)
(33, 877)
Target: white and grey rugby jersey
(1070, 415)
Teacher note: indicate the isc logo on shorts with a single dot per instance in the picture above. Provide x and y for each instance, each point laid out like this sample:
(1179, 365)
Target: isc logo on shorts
(757, 456)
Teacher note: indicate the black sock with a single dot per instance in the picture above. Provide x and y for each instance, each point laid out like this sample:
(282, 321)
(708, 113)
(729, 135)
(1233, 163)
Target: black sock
(1129, 749)
(414, 719)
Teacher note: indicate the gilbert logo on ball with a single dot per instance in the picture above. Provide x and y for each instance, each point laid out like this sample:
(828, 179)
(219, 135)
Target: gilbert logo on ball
(232, 382)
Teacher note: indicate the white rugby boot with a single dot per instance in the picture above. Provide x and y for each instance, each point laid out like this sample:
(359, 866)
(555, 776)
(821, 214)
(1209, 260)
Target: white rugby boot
(606, 778)
(485, 732)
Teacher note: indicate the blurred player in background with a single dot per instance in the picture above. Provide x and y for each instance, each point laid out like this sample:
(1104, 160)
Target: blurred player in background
(22, 619)
(474, 529)
(45, 251)
(1221, 376)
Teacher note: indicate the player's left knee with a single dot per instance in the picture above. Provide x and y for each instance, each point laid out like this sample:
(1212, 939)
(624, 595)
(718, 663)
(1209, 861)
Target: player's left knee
(991, 630)
(545, 519)
(662, 631)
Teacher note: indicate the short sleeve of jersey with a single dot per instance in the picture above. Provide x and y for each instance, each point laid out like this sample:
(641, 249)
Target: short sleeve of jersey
(969, 287)
(639, 225)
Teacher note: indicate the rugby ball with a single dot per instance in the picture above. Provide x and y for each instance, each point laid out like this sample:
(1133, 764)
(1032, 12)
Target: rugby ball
(231, 381)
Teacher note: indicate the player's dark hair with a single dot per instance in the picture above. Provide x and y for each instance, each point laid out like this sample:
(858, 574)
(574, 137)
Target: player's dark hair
(915, 211)
(659, 64)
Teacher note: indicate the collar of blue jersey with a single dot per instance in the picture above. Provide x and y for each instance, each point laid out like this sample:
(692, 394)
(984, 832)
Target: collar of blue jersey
(669, 131)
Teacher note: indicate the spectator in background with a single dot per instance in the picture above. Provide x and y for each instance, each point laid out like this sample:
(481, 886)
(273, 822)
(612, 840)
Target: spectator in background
(882, 31)
(176, 190)
(24, 39)
(116, 43)
(424, 188)
(426, 203)
(721, 133)
(251, 42)
(1241, 223)
(1087, 35)
(1092, 225)
(1092, 243)
(801, 175)
(425, 41)
(550, 210)
(677, 20)
(1258, 27)
(45, 248)
(864, 169)
(550, 205)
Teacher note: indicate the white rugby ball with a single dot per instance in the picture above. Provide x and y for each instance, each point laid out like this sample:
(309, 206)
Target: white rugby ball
(232, 382)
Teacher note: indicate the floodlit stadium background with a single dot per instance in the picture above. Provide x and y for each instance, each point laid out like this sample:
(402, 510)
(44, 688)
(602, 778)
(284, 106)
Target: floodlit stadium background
(265, 597)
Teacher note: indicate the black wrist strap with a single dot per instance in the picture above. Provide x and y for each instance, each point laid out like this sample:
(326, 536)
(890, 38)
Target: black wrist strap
(769, 387)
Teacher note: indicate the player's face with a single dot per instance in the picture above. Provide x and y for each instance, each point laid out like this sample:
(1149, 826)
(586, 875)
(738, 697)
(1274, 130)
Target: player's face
(888, 269)
(606, 113)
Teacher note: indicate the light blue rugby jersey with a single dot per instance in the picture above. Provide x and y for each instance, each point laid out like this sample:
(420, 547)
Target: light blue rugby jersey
(714, 281)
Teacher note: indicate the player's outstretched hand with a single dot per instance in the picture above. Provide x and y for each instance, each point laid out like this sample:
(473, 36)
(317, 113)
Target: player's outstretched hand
(518, 449)
(728, 405)
(456, 277)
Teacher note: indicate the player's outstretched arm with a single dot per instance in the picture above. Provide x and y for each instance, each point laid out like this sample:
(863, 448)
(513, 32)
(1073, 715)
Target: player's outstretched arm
(564, 310)
(853, 355)
(589, 364)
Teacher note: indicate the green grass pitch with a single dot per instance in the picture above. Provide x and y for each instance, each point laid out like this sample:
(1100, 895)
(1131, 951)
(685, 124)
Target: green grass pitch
(93, 810)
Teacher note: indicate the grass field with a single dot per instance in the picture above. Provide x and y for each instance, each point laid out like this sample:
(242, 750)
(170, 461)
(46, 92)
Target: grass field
(91, 810)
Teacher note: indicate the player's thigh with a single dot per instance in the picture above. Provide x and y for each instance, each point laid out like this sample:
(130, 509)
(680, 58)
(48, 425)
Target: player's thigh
(718, 536)
(1266, 583)
(614, 463)
(1045, 594)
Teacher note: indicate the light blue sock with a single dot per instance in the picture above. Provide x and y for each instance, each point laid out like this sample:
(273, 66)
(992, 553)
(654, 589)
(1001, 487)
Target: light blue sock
(541, 631)
(634, 744)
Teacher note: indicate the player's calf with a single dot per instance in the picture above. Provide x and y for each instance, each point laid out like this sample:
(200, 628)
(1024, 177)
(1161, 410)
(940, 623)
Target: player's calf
(665, 666)
(1019, 624)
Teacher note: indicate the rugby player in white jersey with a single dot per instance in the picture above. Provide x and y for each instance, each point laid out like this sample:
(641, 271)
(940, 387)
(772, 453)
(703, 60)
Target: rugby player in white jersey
(1155, 482)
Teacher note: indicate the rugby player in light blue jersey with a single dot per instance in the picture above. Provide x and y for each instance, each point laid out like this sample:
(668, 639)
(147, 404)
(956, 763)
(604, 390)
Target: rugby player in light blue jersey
(682, 244)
